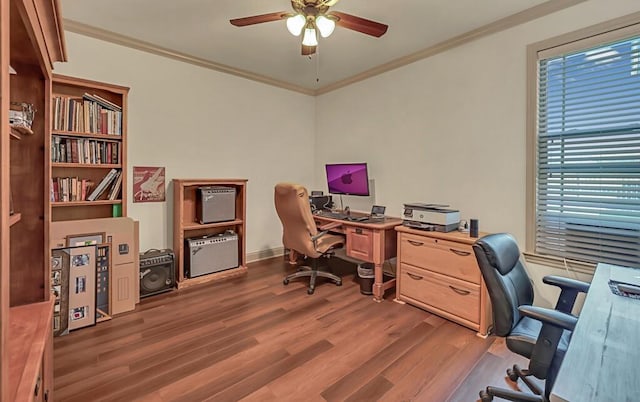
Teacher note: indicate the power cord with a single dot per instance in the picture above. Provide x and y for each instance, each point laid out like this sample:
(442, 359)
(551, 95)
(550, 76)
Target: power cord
(569, 271)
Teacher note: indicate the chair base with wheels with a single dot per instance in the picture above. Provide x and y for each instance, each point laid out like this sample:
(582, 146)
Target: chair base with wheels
(514, 373)
(313, 272)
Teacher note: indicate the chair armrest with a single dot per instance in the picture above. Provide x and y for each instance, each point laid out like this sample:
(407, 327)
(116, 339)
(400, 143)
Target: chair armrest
(318, 235)
(566, 283)
(551, 317)
(329, 226)
(569, 289)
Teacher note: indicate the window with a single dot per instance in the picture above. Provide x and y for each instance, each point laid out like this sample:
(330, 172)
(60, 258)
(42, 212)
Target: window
(587, 153)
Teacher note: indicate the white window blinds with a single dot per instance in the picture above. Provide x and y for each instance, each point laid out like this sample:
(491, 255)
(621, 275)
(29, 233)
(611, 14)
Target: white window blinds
(588, 155)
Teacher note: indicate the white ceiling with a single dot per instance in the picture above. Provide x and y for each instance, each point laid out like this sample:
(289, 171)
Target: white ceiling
(201, 28)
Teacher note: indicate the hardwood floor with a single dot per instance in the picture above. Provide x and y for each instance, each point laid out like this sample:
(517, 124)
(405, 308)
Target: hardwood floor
(254, 339)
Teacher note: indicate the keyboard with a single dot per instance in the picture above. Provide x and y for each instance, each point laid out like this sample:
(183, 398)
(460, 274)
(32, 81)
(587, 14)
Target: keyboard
(333, 215)
(343, 216)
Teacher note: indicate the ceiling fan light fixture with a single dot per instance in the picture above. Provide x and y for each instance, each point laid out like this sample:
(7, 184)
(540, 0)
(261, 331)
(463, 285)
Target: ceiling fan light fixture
(295, 24)
(325, 25)
(309, 38)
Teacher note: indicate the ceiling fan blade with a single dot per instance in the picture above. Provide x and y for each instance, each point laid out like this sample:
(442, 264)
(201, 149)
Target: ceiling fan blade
(308, 50)
(258, 19)
(360, 24)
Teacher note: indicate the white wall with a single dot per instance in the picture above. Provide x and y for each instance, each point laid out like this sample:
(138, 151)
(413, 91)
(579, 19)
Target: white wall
(451, 128)
(447, 129)
(199, 123)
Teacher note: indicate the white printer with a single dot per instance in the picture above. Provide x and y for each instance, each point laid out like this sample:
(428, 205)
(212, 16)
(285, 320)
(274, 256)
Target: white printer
(431, 217)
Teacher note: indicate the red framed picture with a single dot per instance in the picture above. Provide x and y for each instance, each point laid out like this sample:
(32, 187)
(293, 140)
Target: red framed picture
(148, 184)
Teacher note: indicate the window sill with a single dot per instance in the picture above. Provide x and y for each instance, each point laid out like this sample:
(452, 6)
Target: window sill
(556, 262)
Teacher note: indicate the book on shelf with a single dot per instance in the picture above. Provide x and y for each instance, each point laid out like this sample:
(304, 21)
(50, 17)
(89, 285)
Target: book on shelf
(89, 114)
(115, 187)
(102, 102)
(102, 186)
(84, 150)
(68, 189)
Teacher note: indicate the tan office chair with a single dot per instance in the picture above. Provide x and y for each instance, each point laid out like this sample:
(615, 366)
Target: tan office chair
(301, 235)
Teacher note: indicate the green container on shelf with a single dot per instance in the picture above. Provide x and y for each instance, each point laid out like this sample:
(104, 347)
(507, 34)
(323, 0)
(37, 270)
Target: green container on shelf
(116, 210)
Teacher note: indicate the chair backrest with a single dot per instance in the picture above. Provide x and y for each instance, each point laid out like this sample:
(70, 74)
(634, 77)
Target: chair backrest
(294, 211)
(507, 281)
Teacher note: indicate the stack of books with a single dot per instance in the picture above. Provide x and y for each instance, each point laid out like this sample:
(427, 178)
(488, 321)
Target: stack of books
(113, 178)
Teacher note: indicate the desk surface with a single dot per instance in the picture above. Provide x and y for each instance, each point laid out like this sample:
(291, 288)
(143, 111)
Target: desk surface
(601, 363)
(387, 223)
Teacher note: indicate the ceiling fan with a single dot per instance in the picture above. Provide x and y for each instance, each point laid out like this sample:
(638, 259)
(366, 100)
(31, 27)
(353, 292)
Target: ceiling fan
(313, 16)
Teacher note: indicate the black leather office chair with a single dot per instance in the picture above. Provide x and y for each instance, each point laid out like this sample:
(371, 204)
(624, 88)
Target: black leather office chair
(300, 233)
(539, 334)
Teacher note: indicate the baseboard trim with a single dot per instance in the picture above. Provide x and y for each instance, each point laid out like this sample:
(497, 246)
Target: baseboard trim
(265, 254)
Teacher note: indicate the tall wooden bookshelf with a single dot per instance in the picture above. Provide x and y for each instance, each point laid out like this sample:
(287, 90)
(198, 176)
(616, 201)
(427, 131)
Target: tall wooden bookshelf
(88, 141)
(185, 225)
(31, 40)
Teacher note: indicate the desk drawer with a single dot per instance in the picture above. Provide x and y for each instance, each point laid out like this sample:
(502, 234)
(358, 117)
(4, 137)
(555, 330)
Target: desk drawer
(442, 256)
(456, 297)
(360, 243)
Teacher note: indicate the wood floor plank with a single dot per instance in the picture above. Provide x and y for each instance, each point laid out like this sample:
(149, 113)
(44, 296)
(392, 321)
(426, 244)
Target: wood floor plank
(372, 391)
(420, 353)
(260, 378)
(217, 377)
(351, 345)
(373, 366)
(251, 338)
(263, 394)
(455, 370)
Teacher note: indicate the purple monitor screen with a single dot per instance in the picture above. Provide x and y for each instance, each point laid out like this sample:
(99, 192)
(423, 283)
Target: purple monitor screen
(348, 178)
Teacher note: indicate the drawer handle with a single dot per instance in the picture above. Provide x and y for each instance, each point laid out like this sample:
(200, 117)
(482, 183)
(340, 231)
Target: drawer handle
(459, 291)
(413, 276)
(416, 243)
(460, 252)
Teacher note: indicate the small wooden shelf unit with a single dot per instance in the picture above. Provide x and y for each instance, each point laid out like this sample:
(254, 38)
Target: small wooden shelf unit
(73, 89)
(185, 225)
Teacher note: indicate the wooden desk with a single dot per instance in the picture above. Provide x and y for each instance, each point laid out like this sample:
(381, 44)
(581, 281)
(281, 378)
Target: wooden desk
(601, 363)
(369, 242)
(31, 352)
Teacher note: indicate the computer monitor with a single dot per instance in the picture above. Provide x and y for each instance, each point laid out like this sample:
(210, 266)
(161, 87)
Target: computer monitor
(348, 178)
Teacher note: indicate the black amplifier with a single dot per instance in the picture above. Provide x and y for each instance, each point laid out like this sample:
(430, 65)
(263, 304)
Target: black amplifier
(157, 272)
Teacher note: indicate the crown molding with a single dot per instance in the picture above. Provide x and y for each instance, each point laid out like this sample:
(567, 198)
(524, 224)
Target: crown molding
(522, 17)
(118, 39)
(505, 23)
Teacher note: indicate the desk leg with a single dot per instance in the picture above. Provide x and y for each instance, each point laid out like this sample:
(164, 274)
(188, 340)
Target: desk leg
(378, 290)
(379, 286)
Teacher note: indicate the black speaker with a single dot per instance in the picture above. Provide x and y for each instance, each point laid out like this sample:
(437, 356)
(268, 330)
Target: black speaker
(473, 228)
(157, 272)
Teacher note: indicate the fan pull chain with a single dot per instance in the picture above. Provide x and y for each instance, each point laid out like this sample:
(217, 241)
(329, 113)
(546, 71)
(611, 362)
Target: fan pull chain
(317, 65)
